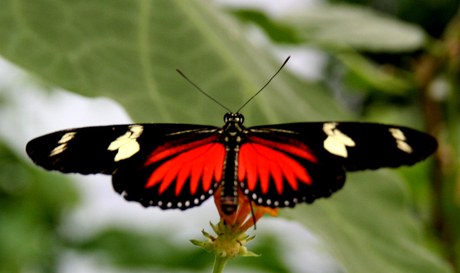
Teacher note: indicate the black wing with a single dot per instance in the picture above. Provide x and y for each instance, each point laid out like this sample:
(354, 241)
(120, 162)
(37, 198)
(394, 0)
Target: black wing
(136, 155)
(285, 164)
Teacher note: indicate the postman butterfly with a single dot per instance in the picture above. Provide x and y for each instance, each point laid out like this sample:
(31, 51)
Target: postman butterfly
(181, 165)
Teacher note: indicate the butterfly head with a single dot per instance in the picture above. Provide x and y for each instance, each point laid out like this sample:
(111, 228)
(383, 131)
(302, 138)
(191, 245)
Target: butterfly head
(233, 118)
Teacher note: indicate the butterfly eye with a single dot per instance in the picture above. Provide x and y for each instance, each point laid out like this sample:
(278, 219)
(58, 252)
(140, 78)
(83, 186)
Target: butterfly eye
(239, 118)
(228, 117)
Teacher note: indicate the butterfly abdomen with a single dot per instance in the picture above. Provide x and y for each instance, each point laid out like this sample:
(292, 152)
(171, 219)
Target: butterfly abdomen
(229, 182)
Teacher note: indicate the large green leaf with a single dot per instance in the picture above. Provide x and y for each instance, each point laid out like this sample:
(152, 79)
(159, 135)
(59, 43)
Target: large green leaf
(368, 226)
(128, 50)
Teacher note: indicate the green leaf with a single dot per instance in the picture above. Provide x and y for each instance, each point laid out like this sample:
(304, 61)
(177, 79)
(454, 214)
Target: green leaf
(340, 27)
(365, 71)
(128, 51)
(368, 226)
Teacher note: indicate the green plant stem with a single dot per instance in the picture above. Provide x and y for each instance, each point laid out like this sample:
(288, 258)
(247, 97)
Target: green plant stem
(219, 264)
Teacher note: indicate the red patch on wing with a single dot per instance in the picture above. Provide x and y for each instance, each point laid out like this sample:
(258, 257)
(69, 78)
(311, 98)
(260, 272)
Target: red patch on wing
(295, 147)
(259, 161)
(203, 161)
(175, 147)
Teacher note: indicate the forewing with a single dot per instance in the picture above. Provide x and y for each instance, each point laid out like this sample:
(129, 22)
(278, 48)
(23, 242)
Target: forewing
(101, 149)
(359, 146)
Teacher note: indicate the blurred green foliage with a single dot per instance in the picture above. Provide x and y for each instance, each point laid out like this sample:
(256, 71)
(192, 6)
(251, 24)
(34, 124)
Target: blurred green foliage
(390, 61)
(31, 205)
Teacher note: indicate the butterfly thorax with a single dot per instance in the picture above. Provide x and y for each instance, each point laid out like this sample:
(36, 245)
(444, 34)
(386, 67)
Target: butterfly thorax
(233, 135)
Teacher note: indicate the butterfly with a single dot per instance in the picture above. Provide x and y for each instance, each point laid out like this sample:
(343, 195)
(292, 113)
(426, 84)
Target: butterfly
(181, 165)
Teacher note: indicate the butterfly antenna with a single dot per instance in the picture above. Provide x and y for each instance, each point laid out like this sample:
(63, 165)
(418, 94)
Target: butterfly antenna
(199, 89)
(287, 59)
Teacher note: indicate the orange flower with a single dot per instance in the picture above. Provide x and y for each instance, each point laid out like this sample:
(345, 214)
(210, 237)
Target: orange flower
(243, 219)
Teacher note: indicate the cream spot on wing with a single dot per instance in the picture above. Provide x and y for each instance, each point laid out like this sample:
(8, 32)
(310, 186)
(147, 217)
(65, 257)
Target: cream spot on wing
(127, 144)
(63, 143)
(403, 146)
(401, 140)
(336, 141)
(336, 147)
(396, 133)
(343, 138)
(328, 128)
